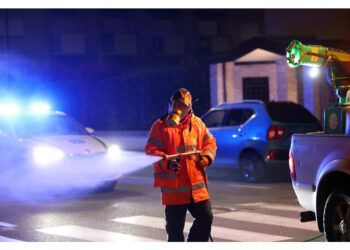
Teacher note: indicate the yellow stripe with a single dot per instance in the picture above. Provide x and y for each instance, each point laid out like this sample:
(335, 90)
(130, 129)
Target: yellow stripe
(210, 150)
(164, 175)
(185, 148)
(198, 186)
(159, 143)
(178, 190)
(207, 136)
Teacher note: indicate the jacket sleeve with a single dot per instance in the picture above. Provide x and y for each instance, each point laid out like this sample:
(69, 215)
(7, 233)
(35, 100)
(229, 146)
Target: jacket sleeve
(209, 144)
(155, 145)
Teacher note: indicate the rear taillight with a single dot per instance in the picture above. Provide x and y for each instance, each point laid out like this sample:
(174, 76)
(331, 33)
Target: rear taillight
(272, 155)
(292, 167)
(275, 132)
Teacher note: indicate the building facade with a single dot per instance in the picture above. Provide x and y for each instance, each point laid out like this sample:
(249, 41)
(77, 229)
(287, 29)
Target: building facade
(257, 69)
(112, 67)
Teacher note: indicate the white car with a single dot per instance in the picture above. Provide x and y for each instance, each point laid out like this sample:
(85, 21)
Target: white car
(43, 147)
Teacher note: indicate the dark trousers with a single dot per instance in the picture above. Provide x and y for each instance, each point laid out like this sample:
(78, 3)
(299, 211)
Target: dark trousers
(175, 216)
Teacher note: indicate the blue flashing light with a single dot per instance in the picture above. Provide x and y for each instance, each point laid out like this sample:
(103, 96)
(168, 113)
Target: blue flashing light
(40, 108)
(8, 109)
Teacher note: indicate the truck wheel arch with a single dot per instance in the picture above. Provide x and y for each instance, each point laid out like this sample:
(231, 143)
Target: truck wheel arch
(332, 181)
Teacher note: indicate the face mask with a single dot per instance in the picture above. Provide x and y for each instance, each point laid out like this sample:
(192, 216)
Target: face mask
(177, 112)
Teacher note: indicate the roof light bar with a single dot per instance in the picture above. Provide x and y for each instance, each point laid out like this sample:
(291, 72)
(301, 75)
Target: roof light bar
(40, 108)
(8, 109)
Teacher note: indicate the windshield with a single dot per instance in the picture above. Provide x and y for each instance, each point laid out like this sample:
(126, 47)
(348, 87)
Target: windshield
(46, 125)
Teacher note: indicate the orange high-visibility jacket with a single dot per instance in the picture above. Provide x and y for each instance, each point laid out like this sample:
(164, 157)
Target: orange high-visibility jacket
(177, 188)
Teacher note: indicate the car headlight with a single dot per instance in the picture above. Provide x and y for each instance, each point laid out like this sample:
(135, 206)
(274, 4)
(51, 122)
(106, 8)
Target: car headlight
(113, 152)
(47, 155)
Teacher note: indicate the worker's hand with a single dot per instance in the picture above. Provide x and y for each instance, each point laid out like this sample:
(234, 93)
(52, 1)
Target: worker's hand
(203, 162)
(173, 165)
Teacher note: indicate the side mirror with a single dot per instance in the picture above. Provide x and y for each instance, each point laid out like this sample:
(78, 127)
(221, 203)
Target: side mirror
(90, 130)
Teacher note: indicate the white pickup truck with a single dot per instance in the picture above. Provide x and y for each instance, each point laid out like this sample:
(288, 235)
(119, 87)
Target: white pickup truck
(320, 172)
(320, 162)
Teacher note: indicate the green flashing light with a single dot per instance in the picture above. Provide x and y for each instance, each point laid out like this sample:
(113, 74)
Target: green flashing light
(294, 54)
(309, 55)
(336, 61)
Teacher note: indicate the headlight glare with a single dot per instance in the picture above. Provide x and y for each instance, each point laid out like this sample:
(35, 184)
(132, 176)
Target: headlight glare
(114, 151)
(47, 155)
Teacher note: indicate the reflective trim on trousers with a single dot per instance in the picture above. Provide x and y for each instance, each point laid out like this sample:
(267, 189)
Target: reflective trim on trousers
(178, 190)
(184, 148)
(159, 143)
(164, 175)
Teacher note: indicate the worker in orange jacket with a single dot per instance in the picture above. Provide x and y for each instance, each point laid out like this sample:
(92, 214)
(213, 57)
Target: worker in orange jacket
(183, 183)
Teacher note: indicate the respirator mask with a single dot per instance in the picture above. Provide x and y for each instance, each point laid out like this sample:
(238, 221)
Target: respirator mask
(177, 111)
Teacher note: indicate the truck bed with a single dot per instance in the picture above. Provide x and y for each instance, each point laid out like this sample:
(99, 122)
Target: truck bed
(315, 150)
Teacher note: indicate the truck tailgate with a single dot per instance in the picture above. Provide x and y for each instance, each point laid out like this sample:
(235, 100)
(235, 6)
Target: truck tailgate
(314, 150)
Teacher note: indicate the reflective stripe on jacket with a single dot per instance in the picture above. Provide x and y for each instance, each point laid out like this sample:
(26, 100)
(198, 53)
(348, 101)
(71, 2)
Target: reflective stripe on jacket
(177, 188)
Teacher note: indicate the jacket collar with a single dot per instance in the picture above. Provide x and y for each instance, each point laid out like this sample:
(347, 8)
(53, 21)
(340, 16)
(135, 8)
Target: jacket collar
(185, 122)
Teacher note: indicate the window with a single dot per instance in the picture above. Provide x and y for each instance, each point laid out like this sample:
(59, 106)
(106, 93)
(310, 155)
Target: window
(107, 42)
(68, 44)
(289, 112)
(15, 27)
(157, 44)
(174, 45)
(208, 28)
(31, 126)
(125, 44)
(119, 44)
(249, 30)
(214, 118)
(239, 116)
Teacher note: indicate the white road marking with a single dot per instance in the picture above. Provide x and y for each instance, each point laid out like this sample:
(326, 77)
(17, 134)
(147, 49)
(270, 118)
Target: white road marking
(284, 207)
(6, 239)
(247, 186)
(6, 226)
(90, 234)
(268, 219)
(217, 232)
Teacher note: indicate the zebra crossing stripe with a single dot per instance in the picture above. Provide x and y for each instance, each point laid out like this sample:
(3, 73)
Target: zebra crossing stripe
(236, 185)
(90, 234)
(216, 232)
(7, 226)
(283, 207)
(5, 239)
(268, 219)
(4, 226)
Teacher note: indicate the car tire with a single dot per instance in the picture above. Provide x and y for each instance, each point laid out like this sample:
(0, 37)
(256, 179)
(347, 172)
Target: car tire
(107, 186)
(252, 168)
(336, 217)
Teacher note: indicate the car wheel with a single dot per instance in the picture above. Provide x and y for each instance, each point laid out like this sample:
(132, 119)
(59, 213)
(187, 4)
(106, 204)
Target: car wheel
(106, 186)
(251, 167)
(336, 217)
